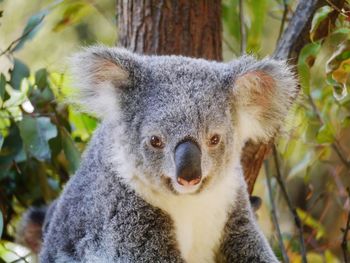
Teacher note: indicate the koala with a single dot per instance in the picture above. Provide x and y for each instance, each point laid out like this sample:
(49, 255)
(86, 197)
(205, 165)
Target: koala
(161, 180)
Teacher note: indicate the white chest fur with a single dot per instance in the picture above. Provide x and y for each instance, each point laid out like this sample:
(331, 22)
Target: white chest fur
(199, 219)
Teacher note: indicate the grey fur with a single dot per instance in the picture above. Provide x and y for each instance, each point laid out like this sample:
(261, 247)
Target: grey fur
(101, 216)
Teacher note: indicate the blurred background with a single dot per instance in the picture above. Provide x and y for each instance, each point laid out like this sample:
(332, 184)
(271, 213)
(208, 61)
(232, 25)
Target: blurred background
(42, 137)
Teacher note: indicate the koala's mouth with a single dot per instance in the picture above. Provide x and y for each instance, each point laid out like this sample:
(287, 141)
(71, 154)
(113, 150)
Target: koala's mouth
(178, 189)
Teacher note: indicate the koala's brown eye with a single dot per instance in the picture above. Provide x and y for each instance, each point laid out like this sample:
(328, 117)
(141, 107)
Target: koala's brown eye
(156, 142)
(214, 140)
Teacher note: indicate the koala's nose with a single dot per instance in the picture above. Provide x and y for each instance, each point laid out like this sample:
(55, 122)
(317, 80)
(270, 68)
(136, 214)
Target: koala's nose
(188, 163)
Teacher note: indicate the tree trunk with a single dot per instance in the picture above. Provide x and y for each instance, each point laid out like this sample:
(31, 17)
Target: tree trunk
(164, 27)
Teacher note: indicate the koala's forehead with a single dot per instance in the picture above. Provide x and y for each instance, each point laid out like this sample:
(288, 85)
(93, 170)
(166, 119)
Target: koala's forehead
(181, 90)
(185, 72)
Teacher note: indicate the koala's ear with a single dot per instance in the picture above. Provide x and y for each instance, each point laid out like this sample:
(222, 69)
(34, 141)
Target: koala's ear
(99, 73)
(263, 93)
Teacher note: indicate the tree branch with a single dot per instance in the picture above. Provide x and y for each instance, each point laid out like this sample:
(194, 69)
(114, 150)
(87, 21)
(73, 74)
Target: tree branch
(297, 220)
(242, 28)
(25, 34)
(284, 18)
(274, 213)
(344, 243)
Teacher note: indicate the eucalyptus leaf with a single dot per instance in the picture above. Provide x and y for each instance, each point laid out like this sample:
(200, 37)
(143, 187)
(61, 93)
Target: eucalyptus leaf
(231, 18)
(17, 97)
(70, 150)
(305, 62)
(342, 30)
(18, 73)
(1, 140)
(2, 86)
(33, 25)
(36, 133)
(258, 11)
(346, 122)
(1, 223)
(325, 134)
(308, 220)
(320, 15)
(41, 78)
(73, 12)
(12, 145)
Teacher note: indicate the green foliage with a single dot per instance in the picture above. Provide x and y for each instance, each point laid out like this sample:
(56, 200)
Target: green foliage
(306, 59)
(1, 223)
(36, 133)
(320, 15)
(41, 138)
(314, 148)
(32, 27)
(258, 10)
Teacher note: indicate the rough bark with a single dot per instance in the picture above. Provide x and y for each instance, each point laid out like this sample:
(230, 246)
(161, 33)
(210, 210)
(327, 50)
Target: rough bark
(163, 27)
(193, 28)
(297, 33)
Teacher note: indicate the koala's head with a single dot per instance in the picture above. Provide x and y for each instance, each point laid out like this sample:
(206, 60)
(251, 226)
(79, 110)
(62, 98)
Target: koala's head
(185, 120)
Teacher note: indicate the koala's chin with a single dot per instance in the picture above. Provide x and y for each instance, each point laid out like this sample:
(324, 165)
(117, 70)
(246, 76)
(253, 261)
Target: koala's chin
(178, 189)
(187, 189)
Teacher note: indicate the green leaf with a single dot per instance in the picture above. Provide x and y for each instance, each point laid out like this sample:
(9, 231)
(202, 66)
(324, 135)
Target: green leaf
(342, 30)
(325, 134)
(338, 70)
(47, 191)
(2, 86)
(10, 149)
(19, 72)
(231, 18)
(82, 124)
(17, 97)
(70, 150)
(1, 224)
(36, 133)
(1, 140)
(32, 27)
(41, 78)
(302, 164)
(346, 122)
(258, 11)
(74, 11)
(305, 62)
(311, 222)
(320, 15)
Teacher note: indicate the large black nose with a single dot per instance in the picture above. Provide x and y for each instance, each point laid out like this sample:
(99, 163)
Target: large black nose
(188, 163)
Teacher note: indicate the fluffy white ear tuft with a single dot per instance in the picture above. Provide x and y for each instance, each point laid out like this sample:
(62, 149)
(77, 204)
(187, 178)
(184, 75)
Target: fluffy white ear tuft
(263, 93)
(99, 73)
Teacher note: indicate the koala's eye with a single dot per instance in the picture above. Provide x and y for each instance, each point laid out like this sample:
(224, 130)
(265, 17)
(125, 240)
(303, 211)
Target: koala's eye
(156, 142)
(214, 140)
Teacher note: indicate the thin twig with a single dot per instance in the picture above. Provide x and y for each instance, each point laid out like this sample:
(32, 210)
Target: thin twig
(229, 46)
(242, 28)
(22, 258)
(335, 145)
(283, 21)
(25, 34)
(274, 213)
(344, 243)
(292, 209)
(336, 8)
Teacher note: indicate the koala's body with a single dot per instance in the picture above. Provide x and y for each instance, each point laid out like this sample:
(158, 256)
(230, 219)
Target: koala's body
(161, 180)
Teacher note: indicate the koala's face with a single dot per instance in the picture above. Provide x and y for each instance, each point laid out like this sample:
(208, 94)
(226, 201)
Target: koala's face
(181, 124)
(184, 118)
